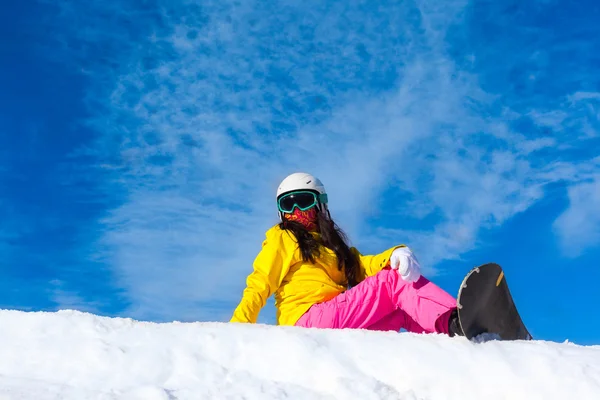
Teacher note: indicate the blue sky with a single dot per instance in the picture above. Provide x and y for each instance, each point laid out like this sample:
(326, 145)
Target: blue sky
(141, 144)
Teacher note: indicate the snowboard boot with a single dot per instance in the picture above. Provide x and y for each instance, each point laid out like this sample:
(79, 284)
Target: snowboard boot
(453, 325)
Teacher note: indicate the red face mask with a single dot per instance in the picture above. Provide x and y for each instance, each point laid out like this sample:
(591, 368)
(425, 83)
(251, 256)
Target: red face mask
(307, 218)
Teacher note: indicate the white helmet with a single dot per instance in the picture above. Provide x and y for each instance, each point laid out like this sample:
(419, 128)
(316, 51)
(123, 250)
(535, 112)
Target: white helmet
(303, 181)
(300, 181)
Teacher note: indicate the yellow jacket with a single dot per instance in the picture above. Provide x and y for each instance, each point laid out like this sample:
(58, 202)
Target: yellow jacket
(297, 285)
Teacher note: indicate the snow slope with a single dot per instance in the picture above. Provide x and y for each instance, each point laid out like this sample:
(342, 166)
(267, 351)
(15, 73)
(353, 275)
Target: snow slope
(72, 355)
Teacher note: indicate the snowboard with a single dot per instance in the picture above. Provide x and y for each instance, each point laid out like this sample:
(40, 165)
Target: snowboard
(485, 305)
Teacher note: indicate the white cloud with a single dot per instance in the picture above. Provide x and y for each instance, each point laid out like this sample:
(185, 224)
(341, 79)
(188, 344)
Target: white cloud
(578, 96)
(553, 119)
(579, 226)
(66, 299)
(578, 119)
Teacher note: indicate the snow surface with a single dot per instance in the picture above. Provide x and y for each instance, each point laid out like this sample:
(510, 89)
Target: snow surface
(73, 355)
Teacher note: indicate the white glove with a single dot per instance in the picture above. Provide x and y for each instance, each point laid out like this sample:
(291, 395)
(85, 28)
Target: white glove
(404, 261)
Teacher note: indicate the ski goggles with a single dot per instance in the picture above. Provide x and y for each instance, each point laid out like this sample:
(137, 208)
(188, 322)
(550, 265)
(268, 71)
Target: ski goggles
(302, 199)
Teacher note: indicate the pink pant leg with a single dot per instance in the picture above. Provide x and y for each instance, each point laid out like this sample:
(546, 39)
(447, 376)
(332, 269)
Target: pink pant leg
(427, 306)
(396, 321)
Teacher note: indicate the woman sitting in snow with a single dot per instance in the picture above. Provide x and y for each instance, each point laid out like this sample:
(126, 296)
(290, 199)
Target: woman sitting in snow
(320, 282)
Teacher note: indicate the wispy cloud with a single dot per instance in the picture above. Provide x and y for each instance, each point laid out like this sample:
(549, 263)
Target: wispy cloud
(577, 119)
(66, 299)
(579, 226)
(206, 111)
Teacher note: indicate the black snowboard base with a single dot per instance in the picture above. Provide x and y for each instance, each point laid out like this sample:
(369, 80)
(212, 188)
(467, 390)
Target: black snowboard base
(485, 305)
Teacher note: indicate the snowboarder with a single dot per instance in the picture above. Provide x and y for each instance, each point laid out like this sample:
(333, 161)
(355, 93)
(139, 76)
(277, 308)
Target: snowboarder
(321, 282)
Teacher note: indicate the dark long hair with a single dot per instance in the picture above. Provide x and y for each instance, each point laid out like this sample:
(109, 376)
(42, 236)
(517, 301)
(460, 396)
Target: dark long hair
(331, 237)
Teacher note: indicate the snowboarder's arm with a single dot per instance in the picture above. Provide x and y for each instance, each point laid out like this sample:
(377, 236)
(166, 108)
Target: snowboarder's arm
(270, 267)
(372, 264)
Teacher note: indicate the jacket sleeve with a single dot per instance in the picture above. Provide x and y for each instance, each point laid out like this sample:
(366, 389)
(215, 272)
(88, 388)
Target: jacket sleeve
(371, 264)
(269, 269)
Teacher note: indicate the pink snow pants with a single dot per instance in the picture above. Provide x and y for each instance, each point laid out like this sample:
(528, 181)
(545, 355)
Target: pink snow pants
(385, 302)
